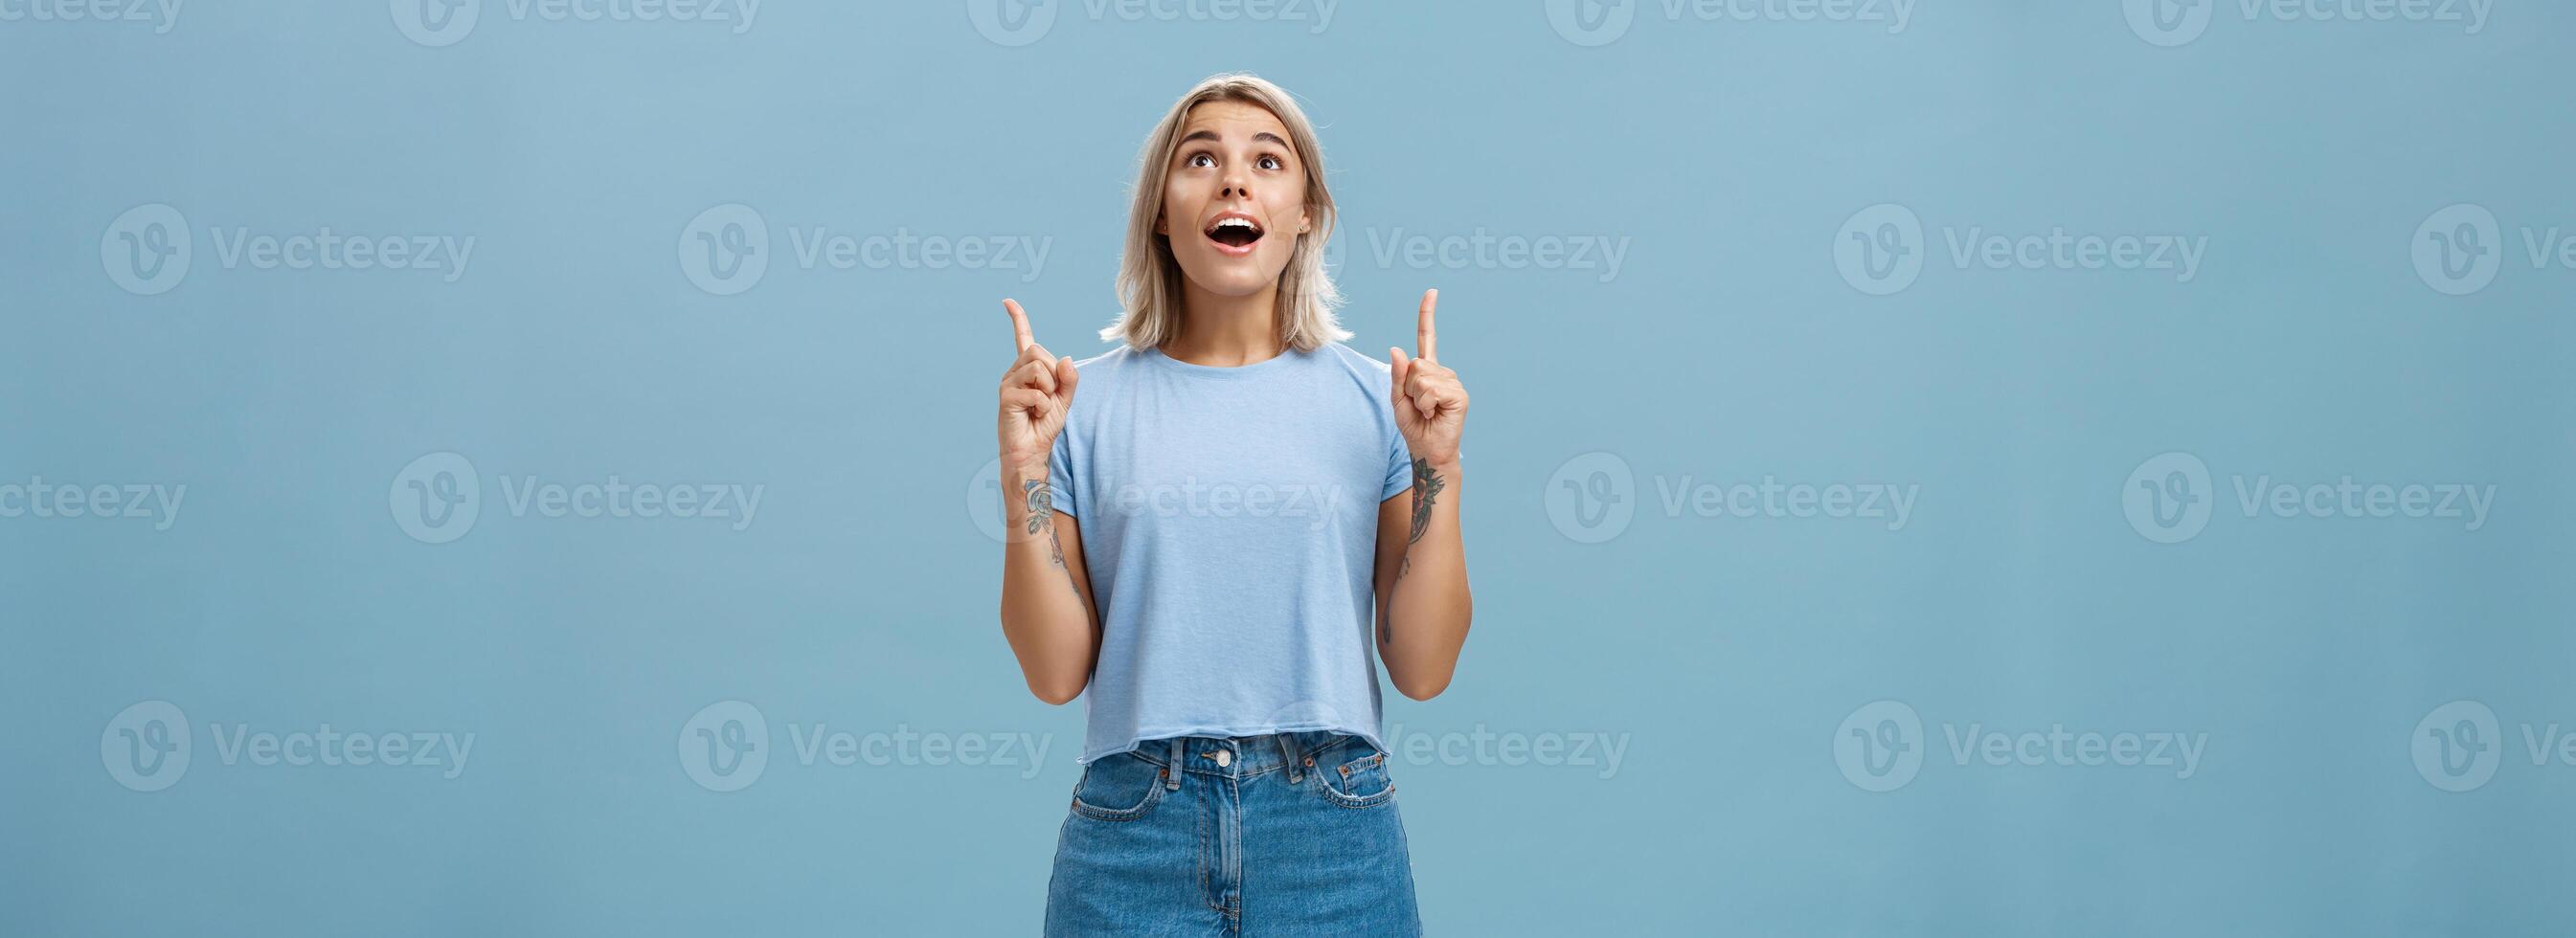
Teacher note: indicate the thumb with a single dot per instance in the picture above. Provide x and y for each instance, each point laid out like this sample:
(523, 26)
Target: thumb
(1399, 369)
(1065, 378)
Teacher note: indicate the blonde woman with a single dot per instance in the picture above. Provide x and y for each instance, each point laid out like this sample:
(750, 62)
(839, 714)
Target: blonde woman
(1217, 542)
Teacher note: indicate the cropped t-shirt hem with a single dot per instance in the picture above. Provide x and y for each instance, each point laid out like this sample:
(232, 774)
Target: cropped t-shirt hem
(1144, 736)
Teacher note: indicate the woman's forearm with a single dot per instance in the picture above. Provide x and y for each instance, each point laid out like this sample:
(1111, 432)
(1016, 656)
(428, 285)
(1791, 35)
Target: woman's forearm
(1046, 603)
(1429, 607)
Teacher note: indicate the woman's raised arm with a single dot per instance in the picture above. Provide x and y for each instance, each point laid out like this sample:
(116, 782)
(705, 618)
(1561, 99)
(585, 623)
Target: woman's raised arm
(1046, 594)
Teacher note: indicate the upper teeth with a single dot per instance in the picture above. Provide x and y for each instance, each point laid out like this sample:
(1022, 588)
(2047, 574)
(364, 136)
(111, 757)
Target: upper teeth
(1233, 223)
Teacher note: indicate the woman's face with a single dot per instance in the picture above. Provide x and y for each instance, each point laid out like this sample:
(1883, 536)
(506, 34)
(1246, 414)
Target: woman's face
(1234, 198)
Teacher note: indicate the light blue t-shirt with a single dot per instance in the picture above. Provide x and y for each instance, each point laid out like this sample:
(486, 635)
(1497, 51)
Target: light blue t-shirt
(1229, 525)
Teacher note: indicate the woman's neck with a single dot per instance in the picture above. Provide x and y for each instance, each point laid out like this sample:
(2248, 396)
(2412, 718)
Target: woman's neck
(1226, 331)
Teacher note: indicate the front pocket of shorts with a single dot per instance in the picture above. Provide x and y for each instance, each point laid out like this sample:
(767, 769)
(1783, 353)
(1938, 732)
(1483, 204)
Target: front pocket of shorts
(1118, 788)
(1359, 783)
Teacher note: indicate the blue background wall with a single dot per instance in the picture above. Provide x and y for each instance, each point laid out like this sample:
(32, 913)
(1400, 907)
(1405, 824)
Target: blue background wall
(1800, 700)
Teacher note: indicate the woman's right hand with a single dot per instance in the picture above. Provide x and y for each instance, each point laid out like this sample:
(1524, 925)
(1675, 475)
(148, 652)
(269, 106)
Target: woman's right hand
(1036, 393)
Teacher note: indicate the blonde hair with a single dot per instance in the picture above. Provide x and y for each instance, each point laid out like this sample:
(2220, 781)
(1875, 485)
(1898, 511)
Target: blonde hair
(1149, 278)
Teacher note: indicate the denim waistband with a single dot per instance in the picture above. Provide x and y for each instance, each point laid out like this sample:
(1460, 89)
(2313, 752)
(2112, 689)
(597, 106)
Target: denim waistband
(1239, 756)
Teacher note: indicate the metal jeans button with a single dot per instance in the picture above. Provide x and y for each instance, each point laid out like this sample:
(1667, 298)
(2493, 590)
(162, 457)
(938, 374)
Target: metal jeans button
(1224, 758)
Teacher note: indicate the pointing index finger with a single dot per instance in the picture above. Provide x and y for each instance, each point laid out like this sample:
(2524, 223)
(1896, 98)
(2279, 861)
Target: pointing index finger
(1019, 325)
(1426, 341)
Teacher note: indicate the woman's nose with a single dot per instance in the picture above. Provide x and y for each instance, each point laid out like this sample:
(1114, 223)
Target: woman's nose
(1234, 186)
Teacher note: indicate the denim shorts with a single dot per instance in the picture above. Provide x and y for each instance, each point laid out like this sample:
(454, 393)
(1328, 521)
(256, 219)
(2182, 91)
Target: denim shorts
(1286, 834)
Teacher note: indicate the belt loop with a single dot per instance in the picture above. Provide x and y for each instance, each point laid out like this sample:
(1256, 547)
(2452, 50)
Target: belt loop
(1288, 752)
(1172, 776)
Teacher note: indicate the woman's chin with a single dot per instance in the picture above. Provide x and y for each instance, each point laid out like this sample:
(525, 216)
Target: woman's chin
(1233, 278)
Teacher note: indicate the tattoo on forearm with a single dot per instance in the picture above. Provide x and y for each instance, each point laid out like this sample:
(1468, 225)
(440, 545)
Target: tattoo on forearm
(1041, 504)
(1427, 485)
(1426, 491)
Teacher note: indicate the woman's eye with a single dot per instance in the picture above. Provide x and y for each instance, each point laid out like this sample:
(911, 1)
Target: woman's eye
(1201, 160)
(1271, 162)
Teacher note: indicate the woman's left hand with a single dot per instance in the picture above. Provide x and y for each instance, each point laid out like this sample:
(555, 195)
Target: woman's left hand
(1430, 404)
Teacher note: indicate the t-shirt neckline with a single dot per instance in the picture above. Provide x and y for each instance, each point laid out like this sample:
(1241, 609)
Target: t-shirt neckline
(1220, 371)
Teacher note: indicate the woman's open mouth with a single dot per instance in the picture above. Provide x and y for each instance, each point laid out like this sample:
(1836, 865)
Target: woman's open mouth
(1234, 233)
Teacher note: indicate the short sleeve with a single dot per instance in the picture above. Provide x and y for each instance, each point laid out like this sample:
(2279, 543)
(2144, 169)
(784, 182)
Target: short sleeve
(1067, 495)
(1399, 460)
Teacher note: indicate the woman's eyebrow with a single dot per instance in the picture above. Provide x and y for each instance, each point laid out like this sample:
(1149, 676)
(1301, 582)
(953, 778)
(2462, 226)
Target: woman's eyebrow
(1258, 135)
